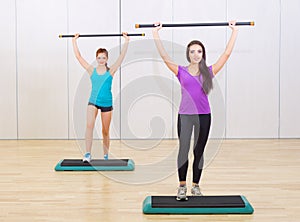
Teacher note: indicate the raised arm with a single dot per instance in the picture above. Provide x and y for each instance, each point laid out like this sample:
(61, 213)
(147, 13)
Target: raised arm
(164, 55)
(121, 57)
(78, 56)
(226, 54)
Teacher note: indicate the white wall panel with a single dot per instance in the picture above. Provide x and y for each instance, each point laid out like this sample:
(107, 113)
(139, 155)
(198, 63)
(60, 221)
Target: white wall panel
(90, 17)
(146, 113)
(42, 65)
(8, 104)
(44, 90)
(253, 72)
(289, 73)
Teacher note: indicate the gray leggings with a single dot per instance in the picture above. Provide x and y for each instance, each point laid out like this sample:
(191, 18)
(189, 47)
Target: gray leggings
(185, 125)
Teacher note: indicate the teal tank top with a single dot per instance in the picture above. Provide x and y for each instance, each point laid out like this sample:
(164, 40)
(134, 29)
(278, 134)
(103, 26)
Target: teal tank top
(101, 94)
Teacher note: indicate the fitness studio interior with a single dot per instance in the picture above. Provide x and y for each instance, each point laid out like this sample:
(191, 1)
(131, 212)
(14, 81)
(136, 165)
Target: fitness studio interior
(109, 114)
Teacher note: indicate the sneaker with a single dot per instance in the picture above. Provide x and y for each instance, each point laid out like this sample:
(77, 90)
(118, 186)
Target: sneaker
(87, 158)
(105, 157)
(181, 194)
(196, 190)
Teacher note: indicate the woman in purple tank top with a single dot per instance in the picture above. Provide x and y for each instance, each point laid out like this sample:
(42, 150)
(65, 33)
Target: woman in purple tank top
(194, 112)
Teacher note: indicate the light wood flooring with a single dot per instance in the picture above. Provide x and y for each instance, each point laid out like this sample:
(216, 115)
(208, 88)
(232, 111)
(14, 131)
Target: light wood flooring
(267, 172)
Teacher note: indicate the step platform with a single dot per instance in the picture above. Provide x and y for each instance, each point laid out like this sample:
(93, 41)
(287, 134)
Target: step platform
(95, 165)
(197, 205)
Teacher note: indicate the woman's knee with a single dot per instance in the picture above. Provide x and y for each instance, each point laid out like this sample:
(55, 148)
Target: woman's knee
(105, 132)
(90, 125)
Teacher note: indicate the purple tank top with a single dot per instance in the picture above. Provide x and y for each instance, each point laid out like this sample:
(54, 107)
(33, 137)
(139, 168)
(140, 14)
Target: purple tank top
(193, 98)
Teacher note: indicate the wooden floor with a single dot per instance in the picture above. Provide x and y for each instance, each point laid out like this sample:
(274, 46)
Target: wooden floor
(267, 172)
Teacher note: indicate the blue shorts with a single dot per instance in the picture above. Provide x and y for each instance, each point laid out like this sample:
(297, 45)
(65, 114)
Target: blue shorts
(102, 108)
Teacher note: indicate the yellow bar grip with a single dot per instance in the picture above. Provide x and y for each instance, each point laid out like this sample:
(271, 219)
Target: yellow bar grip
(137, 26)
(252, 23)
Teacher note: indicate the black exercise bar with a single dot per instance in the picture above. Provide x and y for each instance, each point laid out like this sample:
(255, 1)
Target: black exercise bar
(194, 24)
(101, 35)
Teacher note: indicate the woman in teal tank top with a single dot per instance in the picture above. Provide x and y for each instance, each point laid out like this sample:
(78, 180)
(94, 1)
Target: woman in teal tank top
(101, 96)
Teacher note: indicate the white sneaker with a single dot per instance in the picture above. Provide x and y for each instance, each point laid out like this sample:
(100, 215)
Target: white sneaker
(87, 158)
(196, 190)
(181, 193)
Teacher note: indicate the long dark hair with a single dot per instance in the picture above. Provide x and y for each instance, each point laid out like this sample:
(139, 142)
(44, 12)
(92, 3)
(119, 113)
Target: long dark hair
(207, 83)
(102, 50)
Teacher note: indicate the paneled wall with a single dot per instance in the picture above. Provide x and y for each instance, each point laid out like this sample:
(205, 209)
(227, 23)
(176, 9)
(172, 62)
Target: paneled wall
(253, 72)
(42, 86)
(8, 82)
(289, 105)
(44, 90)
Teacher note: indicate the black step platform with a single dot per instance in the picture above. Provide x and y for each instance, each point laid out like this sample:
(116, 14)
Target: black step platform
(95, 165)
(197, 205)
